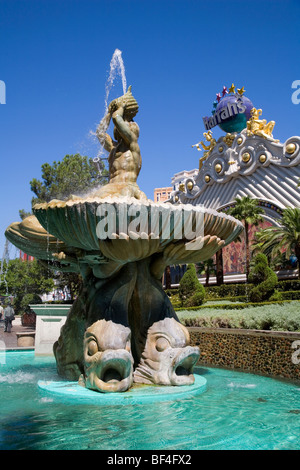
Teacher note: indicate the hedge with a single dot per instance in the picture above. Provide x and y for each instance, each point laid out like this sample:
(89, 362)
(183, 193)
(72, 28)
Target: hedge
(227, 290)
(282, 295)
(290, 295)
(233, 290)
(288, 285)
(236, 306)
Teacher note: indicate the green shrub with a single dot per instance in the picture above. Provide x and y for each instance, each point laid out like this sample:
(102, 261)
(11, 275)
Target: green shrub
(196, 299)
(277, 296)
(191, 291)
(258, 272)
(264, 279)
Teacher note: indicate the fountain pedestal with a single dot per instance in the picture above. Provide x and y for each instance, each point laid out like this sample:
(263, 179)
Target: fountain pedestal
(137, 395)
(49, 320)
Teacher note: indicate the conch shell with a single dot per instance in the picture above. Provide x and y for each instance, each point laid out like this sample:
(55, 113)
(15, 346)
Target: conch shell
(130, 104)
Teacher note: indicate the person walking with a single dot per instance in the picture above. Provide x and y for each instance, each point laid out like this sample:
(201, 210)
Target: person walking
(1, 311)
(9, 316)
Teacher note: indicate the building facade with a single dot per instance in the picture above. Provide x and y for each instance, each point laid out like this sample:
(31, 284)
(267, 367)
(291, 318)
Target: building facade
(162, 194)
(243, 164)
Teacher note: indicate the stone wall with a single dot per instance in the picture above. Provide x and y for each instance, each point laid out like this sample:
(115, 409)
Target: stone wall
(271, 353)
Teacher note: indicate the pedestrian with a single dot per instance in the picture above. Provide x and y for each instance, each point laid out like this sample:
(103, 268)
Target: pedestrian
(9, 316)
(1, 311)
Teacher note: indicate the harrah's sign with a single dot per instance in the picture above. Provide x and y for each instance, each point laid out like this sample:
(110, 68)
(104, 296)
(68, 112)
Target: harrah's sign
(230, 109)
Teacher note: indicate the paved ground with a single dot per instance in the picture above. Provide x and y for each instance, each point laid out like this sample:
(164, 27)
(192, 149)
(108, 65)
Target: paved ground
(9, 340)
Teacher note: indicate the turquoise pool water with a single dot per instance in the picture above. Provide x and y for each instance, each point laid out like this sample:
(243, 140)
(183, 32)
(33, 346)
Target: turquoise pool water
(237, 411)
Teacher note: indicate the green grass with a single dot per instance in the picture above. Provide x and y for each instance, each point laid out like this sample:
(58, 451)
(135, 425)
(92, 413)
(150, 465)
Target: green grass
(279, 317)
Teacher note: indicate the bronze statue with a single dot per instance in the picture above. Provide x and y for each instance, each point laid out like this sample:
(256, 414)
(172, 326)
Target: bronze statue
(124, 152)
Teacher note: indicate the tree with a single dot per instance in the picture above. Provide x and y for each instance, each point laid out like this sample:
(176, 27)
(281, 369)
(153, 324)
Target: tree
(168, 279)
(23, 214)
(74, 174)
(208, 267)
(26, 281)
(286, 237)
(219, 267)
(247, 211)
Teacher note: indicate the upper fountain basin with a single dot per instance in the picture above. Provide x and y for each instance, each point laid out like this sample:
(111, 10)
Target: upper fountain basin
(111, 225)
(122, 230)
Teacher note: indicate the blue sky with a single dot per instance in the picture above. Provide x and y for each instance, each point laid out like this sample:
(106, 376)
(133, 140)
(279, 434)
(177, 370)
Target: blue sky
(54, 60)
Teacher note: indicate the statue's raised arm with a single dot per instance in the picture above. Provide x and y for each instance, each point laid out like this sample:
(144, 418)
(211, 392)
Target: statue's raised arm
(105, 139)
(122, 126)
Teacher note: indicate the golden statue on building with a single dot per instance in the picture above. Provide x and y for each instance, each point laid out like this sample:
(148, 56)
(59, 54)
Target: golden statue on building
(208, 148)
(260, 127)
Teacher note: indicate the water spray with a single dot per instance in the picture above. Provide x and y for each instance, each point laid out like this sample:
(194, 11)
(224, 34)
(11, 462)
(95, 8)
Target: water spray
(116, 68)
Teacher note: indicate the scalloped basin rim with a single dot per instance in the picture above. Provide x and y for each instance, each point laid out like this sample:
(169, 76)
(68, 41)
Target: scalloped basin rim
(56, 203)
(76, 221)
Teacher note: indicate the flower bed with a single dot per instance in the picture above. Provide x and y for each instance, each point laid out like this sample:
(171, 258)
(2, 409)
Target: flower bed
(283, 316)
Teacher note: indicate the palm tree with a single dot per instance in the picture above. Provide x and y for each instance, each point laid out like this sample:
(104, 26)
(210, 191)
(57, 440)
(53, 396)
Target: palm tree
(208, 267)
(247, 211)
(219, 267)
(274, 240)
(168, 279)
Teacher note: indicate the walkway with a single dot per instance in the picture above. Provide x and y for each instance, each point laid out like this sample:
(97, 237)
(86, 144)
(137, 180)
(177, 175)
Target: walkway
(9, 340)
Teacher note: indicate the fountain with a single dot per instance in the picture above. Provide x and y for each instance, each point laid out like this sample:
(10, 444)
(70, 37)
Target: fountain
(122, 334)
(122, 329)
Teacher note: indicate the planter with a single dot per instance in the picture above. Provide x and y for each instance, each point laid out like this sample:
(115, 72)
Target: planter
(29, 319)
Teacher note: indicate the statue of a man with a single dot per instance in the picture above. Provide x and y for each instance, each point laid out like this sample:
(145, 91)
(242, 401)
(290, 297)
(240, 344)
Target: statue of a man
(124, 152)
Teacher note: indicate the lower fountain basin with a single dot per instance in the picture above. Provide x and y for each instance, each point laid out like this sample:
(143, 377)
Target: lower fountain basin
(138, 394)
(237, 411)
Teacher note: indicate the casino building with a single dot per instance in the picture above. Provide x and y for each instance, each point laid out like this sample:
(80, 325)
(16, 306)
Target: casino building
(246, 161)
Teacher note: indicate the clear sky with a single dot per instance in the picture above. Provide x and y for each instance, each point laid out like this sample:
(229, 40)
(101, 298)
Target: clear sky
(54, 60)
